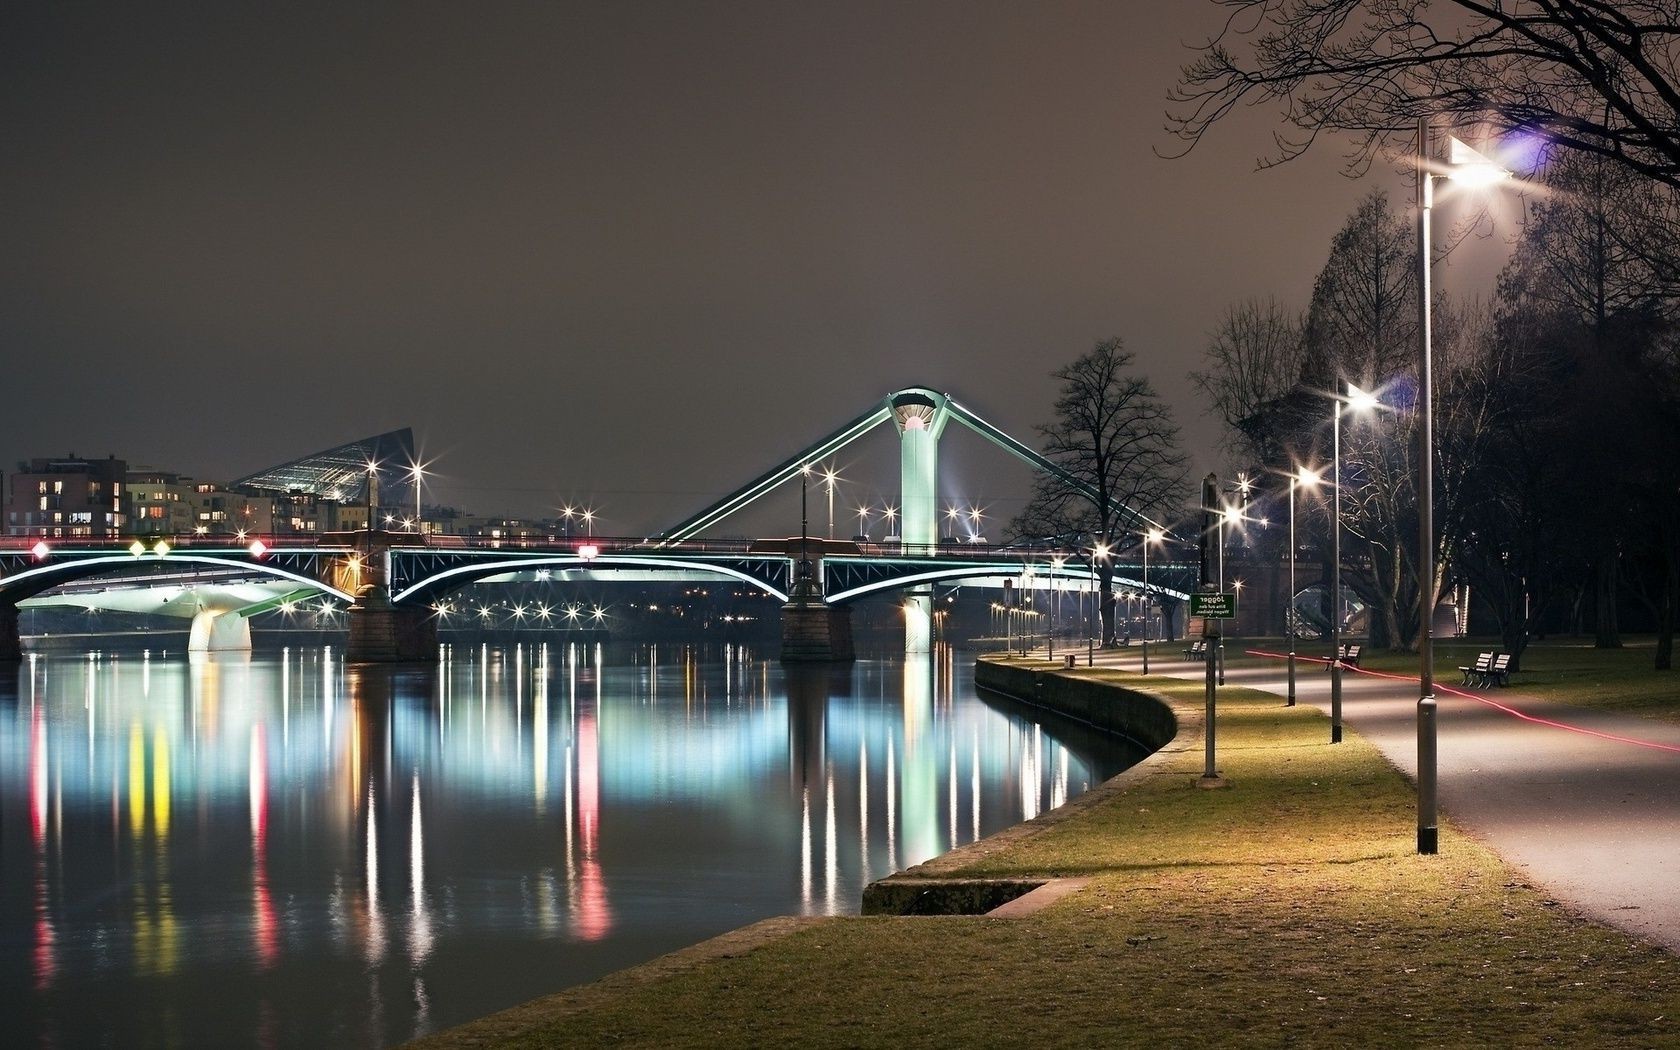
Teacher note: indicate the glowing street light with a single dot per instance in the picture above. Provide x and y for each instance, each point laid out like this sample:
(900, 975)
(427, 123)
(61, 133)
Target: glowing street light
(372, 483)
(1152, 536)
(974, 517)
(829, 479)
(1099, 550)
(1364, 402)
(863, 521)
(417, 471)
(588, 521)
(1304, 478)
(1468, 168)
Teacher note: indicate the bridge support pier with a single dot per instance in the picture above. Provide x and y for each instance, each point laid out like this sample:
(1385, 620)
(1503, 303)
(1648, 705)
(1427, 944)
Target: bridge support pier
(813, 634)
(918, 621)
(381, 633)
(219, 631)
(11, 644)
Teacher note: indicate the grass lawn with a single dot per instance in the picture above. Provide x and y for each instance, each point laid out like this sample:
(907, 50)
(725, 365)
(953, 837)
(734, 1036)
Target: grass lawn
(1288, 909)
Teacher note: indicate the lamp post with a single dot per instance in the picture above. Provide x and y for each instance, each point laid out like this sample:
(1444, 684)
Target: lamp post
(1465, 166)
(1309, 479)
(1359, 401)
(829, 478)
(863, 522)
(1152, 536)
(1228, 515)
(418, 472)
(1056, 563)
(372, 482)
(1098, 550)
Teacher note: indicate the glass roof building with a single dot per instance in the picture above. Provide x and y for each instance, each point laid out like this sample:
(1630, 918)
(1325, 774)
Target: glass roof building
(341, 473)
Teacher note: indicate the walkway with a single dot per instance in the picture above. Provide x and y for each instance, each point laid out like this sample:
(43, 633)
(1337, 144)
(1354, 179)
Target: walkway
(1587, 801)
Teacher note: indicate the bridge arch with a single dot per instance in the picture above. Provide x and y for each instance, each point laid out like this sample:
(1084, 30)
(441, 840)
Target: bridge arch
(429, 586)
(920, 576)
(30, 582)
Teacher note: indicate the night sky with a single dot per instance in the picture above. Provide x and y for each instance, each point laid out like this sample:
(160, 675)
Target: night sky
(622, 253)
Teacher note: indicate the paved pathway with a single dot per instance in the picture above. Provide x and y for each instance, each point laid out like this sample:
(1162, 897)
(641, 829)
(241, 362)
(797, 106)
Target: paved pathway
(1592, 811)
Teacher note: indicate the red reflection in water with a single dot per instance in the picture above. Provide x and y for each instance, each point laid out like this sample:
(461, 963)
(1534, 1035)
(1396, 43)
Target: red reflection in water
(591, 918)
(265, 927)
(46, 937)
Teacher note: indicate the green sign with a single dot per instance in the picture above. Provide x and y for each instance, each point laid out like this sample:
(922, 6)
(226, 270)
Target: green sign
(1214, 606)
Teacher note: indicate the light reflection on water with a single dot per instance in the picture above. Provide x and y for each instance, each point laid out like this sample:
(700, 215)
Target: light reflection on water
(285, 850)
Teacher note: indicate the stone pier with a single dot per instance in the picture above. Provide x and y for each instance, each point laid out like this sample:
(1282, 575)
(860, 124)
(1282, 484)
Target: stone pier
(11, 645)
(812, 630)
(381, 633)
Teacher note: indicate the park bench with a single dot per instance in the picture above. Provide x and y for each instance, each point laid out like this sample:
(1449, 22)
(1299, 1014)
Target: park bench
(1345, 654)
(1500, 672)
(1478, 670)
(1196, 650)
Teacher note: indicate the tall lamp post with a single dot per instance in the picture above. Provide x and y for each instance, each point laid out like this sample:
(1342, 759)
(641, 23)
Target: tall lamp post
(1152, 536)
(1359, 401)
(1228, 515)
(1056, 563)
(1465, 166)
(417, 471)
(1306, 479)
(829, 478)
(1098, 550)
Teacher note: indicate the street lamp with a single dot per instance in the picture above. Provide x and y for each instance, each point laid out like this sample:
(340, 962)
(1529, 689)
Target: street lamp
(1056, 563)
(372, 482)
(1357, 400)
(1307, 479)
(418, 471)
(1229, 515)
(1152, 536)
(829, 478)
(863, 522)
(566, 514)
(1099, 550)
(1469, 168)
(588, 514)
(974, 517)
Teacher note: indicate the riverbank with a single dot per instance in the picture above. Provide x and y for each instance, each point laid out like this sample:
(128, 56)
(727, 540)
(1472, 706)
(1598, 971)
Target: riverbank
(1289, 908)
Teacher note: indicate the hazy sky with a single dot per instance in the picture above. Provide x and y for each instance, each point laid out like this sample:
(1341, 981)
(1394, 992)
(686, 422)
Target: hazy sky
(628, 253)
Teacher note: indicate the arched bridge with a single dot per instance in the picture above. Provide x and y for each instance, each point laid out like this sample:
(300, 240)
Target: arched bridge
(406, 577)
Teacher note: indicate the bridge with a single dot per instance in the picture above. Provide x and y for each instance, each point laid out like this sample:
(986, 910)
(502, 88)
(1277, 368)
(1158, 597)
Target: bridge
(395, 584)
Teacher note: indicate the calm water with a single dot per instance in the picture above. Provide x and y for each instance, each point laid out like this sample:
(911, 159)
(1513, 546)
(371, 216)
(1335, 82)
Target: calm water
(280, 850)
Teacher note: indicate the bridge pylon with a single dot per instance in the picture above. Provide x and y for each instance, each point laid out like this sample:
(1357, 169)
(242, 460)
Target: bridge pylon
(920, 417)
(812, 630)
(380, 632)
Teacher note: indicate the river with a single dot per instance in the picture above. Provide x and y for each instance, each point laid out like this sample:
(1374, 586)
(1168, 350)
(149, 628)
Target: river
(282, 850)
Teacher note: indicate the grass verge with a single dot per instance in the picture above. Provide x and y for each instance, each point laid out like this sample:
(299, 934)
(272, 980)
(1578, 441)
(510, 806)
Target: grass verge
(1287, 909)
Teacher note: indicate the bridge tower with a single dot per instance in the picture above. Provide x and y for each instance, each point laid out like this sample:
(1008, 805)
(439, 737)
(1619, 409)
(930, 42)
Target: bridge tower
(920, 418)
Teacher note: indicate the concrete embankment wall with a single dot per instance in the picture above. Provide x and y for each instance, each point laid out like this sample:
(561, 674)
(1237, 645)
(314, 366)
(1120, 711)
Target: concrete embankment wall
(1108, 706)
(932, 888)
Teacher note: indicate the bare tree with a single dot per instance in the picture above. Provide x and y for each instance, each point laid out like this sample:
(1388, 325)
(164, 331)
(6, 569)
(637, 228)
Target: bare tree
(1590, 77)
(1253, 361)
(1117, 441)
